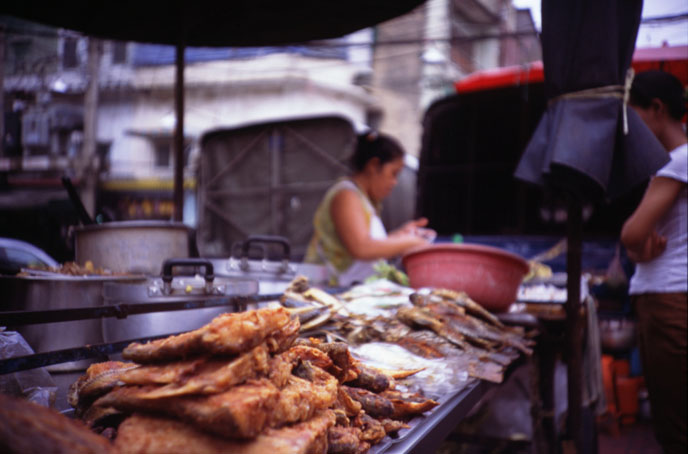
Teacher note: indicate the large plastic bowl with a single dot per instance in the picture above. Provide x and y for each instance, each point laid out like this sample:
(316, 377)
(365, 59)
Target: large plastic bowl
(489, 275)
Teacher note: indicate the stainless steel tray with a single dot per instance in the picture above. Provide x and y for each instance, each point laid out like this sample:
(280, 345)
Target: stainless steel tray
(428, 431)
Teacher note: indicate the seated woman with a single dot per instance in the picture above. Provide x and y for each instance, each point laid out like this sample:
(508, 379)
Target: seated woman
(349, 236)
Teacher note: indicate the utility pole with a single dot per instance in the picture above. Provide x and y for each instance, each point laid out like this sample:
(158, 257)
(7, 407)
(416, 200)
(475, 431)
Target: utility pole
(2, 90)
(178, 192)
(88, 164)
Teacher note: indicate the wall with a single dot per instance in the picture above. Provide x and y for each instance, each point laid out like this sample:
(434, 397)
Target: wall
(223, 95)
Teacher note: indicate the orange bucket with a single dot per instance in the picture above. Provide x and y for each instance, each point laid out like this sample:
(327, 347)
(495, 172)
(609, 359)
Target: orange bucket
(627, 394)
(622, 368)
(608, 381)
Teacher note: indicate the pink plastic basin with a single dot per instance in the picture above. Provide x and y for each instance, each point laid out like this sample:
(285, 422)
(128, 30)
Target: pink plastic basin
(490, 276)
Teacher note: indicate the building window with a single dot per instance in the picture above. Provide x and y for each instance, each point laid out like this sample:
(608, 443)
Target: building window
(119, 52)
(163, 154)
(69, 53)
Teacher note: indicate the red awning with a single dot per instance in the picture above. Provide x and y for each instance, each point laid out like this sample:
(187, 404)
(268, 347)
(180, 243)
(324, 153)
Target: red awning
(673, 59)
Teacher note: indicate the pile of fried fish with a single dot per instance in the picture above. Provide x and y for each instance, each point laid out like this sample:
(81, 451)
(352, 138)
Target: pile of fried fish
(244, 383)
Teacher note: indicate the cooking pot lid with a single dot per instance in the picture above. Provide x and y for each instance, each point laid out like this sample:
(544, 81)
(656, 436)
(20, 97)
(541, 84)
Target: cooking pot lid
(44, 275)
(135, 224)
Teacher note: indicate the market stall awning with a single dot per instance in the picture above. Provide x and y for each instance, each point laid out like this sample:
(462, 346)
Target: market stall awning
(672, 59)
(209, 23)
(588, 142)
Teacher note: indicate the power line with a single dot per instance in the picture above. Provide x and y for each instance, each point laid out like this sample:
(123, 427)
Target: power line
(664, 19)
(338, 43)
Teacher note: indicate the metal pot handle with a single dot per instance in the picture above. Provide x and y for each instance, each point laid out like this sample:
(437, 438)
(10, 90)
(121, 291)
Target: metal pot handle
(252, 239)
(169, 264)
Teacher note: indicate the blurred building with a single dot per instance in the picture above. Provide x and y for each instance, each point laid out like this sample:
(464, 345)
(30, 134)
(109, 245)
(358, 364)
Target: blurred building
(418, 57)
(102, 112)
(46, 104)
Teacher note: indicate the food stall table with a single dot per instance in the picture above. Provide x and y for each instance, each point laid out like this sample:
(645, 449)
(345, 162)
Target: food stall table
(428, 432)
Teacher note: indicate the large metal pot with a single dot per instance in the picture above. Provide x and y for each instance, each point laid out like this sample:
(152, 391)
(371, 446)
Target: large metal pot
(131, 246)
(38, 293)
(172, 288)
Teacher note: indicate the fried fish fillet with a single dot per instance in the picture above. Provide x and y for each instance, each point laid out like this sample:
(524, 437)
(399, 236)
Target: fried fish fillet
(28, 428)
(372, 430)
(98, 380)
(345, 440)
(241, 412)
(141, 434)
(344, 366)
(202, 376)
(281, 366)
(227, 334)
(309, 391)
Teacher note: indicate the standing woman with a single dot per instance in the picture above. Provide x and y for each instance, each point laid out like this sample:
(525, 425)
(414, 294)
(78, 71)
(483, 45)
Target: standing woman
(349, 236)
(655, 237)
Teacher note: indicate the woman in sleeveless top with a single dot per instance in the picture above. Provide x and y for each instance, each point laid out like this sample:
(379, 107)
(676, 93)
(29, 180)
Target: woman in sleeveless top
(349, 236)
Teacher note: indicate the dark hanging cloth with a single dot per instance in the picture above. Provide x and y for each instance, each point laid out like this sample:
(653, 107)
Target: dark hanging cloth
(588, 142)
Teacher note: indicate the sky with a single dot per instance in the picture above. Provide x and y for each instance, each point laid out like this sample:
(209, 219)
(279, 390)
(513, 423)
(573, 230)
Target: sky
(649, 35)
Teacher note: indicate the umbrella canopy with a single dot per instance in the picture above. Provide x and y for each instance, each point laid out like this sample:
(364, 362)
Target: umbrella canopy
(211, 23)
(588, 142)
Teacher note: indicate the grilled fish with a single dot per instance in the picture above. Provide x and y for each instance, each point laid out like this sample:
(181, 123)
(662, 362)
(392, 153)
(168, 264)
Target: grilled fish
(373, 404)
(408, 404)
(462, 299)
(475, 330)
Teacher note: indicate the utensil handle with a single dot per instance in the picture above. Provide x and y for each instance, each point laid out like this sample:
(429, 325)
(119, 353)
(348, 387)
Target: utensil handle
(76, 200)
(280, 240)
(169, 264)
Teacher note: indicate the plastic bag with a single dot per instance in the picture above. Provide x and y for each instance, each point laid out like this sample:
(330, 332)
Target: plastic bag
(35, 385)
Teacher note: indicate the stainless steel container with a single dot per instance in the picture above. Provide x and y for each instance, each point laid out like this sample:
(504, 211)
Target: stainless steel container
(273, 276)
(38, 293)
(131, 246)
(169, 288)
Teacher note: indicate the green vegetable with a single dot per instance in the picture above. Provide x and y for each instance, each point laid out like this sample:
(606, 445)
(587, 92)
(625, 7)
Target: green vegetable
(384, 270)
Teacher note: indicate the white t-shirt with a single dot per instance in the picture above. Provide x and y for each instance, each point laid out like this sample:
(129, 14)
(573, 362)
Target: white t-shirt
(668, 273)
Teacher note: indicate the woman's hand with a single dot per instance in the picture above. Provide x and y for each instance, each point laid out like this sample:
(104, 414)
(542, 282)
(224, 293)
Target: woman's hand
(416, 228)
(412, 226)
(352, 228)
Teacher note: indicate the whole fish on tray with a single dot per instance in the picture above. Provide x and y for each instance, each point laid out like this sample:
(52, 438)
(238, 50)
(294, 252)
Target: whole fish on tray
(474, 330)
